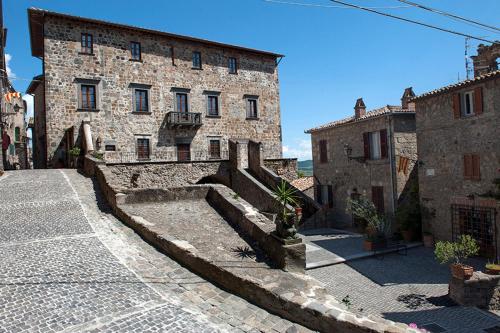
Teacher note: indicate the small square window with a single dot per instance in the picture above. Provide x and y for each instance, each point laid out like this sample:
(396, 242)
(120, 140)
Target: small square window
(135, 51)
(233, 66)
(87, 43)
(88, 97)
(143, 150)
(197, 60)
(213, 105)
(141, 100)
(252, 111)
(214, 148)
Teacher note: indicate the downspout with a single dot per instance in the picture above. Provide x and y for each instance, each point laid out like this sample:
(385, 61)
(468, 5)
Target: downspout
(392, 161)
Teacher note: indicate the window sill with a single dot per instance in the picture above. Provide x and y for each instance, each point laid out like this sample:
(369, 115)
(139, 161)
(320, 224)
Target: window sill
(252, 118)
(87, 110)
(142, 112)
(197, 68)
(212, 158)
(136, 60)
(212, 116)
(87, 54)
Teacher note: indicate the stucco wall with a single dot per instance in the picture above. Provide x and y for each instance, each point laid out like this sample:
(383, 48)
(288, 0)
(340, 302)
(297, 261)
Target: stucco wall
(112, 70)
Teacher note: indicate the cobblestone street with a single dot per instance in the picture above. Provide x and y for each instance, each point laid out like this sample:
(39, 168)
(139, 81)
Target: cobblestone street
(407, 289)
(69, 266)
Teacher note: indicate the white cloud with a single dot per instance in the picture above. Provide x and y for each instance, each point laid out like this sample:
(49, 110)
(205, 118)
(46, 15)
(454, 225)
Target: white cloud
(29, 105)
(8, 58)
(300, 150)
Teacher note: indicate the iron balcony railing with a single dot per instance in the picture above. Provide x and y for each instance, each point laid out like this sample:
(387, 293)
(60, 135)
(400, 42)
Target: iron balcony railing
(189, 119)
(163, 156)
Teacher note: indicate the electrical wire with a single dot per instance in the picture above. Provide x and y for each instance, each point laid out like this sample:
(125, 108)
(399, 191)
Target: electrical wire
(414, 22)
(328, 6)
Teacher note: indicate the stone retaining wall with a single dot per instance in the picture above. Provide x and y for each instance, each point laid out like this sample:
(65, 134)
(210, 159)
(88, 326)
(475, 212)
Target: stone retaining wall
(482, 290)
(283, 167)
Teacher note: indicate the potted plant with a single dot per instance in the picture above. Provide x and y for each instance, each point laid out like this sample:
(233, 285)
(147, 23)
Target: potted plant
(428, 239)
(286, 219)
(408, 214)
(75, 154)
(377, 225)
(492, 269)
(456, 253)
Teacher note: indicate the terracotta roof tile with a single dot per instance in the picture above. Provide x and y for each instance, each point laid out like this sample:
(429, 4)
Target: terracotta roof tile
(303, 183)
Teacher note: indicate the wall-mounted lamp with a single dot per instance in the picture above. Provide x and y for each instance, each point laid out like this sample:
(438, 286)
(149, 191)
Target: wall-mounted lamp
(348, 154)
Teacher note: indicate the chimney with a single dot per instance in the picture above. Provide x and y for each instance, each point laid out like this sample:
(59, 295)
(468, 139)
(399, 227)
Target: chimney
(359, 108)
(407, 95)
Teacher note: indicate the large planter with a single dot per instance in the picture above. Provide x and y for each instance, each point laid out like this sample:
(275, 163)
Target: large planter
(375, 244)
(462, 272)
(286, 231)
(408, 235)
(428, 240)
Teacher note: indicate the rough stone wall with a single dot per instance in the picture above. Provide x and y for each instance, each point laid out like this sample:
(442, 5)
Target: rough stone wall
(284, 167)
(168, 174)
(114, 72)
(481, 290)
(405, 151)
(486, 59)
(38, 134)
(15, 155)
(442, 142)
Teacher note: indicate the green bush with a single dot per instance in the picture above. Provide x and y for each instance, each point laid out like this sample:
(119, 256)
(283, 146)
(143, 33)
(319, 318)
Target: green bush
(75, 151)
(285, 195)
(365, 209)
(456, 252)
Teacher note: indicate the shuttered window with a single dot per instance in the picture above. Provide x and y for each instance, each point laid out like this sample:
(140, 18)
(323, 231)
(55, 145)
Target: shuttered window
(468, 103)
(378, 198)
(324, 195)
(323, 152)
(183, 152)
(142, 148)
(88, 97)
(375, 145)
(214, 148)
(472, 167)
(141, 100)
(87, 44)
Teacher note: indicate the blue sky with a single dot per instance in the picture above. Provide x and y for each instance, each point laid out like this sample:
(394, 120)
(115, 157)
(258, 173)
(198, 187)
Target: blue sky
(333, 55)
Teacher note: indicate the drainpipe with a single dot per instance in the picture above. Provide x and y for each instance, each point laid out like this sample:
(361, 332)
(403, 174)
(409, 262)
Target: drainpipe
(87, 133)
(392, 161)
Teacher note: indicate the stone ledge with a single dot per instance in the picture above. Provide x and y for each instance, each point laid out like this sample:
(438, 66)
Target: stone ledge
(481, 290)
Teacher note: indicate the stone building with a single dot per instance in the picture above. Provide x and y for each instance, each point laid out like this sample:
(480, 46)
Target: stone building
(147, 95)
(486, 60)
(370, 153)
(13, 132)
(458, 135)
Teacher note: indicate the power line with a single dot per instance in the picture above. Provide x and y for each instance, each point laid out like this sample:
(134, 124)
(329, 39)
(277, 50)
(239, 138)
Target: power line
(441, 12)
(414, 22)
(327, 6)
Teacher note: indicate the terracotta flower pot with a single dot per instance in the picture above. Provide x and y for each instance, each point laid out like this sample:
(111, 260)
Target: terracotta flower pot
(408, 235)
(368, 245)
(462, 272)
(428, 240)
(298, 210)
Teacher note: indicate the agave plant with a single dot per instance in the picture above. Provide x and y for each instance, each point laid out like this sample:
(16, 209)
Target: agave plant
(285, 195)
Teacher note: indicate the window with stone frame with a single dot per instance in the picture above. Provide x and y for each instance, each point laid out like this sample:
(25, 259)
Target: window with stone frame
(233, 65)
(135, 51)
(252, 108)
(88, 97)
(143, 148)
(183, 152)
(141, 98)
(214, 148)
(213, 105)
(181, 100)
(197, 60)
(87, 43)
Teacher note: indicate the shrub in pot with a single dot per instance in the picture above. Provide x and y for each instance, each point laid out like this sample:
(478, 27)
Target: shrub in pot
(286, 220)
(456, 253)
(75, 154)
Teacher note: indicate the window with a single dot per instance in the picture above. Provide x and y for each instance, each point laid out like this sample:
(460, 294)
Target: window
(197, 60)
(135, 50)
(143, 148)
(323, 152)
(88, 97)
(213, 105)
(467, 103)
(109, 147)
(378, 198)
(252, 112)
(472, 167)
(183, 152)
(375, 145)
(324, 195)
(141, 100)
(214, 148)
(87, 44)
(17, 134)
(181, 102)
(233, 67)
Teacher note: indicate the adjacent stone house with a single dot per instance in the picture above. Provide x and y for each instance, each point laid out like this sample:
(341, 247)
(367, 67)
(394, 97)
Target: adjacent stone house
(458, 135)
(147, 95)
(370, 153)
(14, 139)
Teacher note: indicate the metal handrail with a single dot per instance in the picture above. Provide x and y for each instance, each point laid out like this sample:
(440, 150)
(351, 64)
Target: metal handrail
(183, 118)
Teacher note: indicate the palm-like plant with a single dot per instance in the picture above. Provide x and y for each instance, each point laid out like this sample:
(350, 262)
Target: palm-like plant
(285, 195)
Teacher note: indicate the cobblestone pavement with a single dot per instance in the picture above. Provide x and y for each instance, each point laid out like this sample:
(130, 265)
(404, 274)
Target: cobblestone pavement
(407, 289)
(69, 266)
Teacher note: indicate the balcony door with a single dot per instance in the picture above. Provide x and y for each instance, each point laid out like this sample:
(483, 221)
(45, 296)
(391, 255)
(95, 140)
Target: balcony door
(183, 152)
(182, 106)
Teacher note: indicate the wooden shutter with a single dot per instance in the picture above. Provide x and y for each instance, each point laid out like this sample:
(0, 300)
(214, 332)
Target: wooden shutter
(383, 143)
(330, 196)
(476, 168)
(323, 153)
(378, 198)
(478, 100)
(456, 105)
(467, 166)
(366, 145)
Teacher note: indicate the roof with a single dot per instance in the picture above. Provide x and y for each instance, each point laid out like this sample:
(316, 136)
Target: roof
(385, 110)
(36, 18)
(303, 183)
(34, 83)
(459, 85)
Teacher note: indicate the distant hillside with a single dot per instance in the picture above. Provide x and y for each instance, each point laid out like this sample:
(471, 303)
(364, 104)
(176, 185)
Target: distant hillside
(306, 167)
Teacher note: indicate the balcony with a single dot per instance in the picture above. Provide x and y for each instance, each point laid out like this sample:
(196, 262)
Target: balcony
(183, 119)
